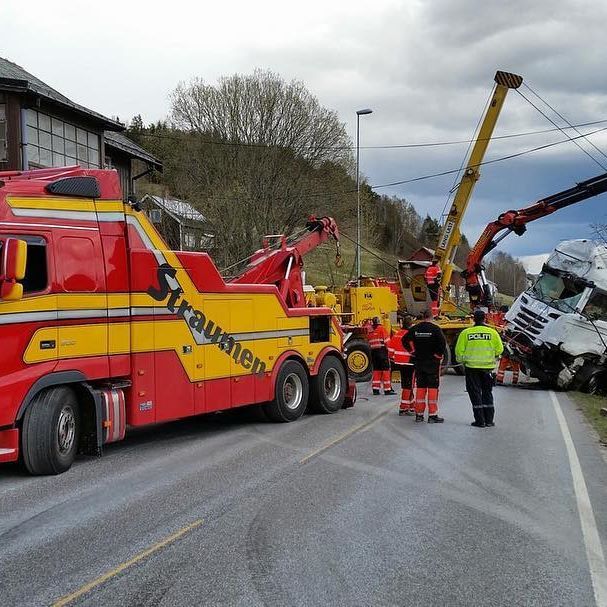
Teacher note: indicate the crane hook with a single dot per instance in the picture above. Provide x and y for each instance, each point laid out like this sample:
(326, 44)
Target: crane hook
(338, 260)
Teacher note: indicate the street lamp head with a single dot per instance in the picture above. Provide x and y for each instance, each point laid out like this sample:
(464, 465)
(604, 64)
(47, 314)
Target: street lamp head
(364, 112)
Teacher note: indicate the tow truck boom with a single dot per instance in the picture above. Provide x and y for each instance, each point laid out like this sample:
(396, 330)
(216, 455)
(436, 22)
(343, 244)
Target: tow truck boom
(282, 266)
(516, 221)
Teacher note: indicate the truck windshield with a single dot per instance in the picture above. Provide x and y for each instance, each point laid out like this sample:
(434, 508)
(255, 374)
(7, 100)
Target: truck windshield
(596, 308)
(561, 292)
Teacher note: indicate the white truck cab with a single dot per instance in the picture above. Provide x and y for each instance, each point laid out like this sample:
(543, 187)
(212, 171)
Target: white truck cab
(557, 329)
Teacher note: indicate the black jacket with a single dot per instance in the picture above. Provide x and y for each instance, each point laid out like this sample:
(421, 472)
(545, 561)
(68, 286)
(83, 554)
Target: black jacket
(428, 342)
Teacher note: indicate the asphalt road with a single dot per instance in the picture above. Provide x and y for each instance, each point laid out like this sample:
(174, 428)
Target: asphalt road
(359, 508)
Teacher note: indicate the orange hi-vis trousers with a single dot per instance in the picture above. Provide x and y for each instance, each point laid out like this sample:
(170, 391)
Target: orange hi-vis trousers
(420, 401)
(407, 384)
(406, 399)
(382, 378)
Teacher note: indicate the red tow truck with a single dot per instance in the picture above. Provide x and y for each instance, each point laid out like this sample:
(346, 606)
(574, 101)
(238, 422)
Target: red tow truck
(102, 328)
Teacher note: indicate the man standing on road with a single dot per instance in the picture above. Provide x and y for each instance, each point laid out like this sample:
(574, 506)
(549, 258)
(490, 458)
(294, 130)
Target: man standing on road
(401, 361)
(477, 348)
(428, 343)
(378, 339)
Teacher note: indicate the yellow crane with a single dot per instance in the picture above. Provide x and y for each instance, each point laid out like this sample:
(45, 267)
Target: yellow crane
(411, 273)
(451, 236)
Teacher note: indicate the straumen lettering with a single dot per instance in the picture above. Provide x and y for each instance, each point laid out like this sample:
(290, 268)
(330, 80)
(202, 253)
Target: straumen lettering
(203, 329)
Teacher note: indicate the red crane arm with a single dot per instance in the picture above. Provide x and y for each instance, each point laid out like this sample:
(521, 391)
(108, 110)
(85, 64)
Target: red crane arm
(282, 267)
(516, 221)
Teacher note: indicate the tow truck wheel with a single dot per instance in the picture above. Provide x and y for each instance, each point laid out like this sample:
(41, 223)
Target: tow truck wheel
(49, 435)
(358, 360)
(328, 389)
(290, 393)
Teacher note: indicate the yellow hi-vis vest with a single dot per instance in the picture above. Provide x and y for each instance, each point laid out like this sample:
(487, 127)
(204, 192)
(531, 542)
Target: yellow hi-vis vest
(477, 347)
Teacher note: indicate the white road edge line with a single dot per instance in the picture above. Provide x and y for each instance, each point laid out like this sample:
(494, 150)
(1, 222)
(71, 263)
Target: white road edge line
(592, 540)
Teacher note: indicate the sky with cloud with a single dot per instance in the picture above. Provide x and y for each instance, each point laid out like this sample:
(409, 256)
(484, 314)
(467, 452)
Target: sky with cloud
(425, 67)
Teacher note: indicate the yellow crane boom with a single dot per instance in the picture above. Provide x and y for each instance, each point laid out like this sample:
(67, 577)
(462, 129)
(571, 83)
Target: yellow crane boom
(450, 236)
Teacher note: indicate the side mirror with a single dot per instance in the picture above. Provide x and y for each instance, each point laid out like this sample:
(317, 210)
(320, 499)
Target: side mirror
(13, 257)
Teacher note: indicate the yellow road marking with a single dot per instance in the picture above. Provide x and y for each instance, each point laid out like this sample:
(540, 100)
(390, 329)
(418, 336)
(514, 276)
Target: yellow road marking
(345, 435)
(69, 598)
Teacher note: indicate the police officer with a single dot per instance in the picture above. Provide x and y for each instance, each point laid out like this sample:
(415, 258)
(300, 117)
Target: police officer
(428, 343)
(477, 348)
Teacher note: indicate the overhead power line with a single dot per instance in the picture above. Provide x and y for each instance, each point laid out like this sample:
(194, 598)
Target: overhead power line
(562, 129)
(502, 158)
(564, 120)
(429, 144)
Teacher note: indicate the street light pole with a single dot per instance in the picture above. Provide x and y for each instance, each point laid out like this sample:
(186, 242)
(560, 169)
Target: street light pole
(359, 113)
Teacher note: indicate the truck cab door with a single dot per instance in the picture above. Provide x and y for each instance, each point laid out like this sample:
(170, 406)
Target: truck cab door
(82, 299)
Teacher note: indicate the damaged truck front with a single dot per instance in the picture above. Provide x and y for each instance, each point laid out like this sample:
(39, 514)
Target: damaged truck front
(557, 329)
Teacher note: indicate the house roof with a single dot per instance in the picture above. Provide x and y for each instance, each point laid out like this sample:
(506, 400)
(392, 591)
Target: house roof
(179, 209)
(14, 78)
(121, 142)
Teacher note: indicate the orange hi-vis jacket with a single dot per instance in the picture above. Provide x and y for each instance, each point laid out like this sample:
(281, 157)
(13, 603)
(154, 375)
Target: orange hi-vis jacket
(396, 350)
(431, 274)
(378, 338)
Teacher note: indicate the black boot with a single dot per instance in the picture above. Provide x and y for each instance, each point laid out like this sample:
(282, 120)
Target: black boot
(375, 392)
(435, 419)
(489, 414)
(479, 417)
(389, 392)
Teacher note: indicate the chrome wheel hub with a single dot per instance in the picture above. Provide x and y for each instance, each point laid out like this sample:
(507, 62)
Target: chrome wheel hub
(292, 391)
(66, 429)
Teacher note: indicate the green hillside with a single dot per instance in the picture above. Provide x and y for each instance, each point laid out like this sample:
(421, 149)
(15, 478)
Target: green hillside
(320, 268)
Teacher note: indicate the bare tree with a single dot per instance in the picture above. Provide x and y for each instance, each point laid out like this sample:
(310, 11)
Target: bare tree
(256, 154)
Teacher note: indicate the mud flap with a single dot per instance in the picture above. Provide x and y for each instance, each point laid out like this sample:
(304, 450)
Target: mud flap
(351, 394)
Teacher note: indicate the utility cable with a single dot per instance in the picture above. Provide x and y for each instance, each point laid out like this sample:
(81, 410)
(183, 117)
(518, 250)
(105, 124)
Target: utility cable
(493, 161)
(368, 250)
(443, 173)
(375, 147)
(564, 119)
(573, 139)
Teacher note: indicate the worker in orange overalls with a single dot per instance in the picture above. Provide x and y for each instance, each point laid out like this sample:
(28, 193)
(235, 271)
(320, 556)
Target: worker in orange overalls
(429, 344)
(378, 338)
(432, 276)
(401, 361)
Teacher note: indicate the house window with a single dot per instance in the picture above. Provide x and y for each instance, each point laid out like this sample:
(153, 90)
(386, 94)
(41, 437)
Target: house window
(52, 142)
(189, 240)
(155, 215)
(3, 147)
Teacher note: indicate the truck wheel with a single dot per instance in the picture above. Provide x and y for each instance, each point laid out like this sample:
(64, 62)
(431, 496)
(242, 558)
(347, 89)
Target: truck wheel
(328, 389)
(290, 393)
(49, 435)
(596, 383)
(358, 360)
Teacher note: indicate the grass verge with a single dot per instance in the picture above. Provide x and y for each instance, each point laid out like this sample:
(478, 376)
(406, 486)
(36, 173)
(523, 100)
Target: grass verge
(591, 406)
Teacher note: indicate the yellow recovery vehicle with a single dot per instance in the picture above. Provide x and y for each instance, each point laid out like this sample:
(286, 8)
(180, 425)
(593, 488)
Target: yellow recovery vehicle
(357, 304)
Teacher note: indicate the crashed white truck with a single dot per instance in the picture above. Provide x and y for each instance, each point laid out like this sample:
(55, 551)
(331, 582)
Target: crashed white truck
(557, 329)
